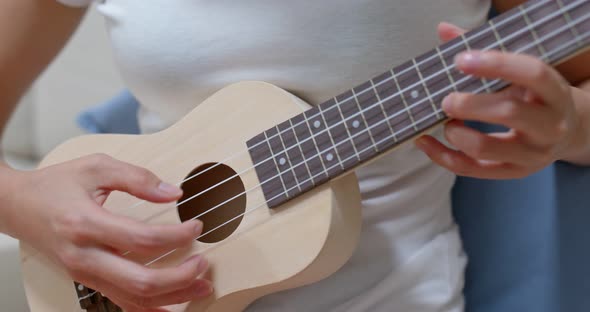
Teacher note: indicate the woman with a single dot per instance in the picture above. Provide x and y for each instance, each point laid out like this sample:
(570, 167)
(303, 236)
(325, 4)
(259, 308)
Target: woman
(181, 51)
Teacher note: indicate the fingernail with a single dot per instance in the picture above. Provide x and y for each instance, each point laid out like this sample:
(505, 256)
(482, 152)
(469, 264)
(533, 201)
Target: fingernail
(421, 141)
(198, 227)
(529, 96)
(447, 159)
(203, 265)
(169, 189)
(204, 289)
(451, 129)
(447, 103)
(469, 60)
(193, 258)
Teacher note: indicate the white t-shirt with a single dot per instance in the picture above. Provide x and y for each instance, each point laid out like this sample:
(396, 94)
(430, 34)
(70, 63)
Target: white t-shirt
(173, 54)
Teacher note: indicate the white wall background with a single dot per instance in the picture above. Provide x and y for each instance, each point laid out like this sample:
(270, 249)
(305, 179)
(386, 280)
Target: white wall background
(81, 76)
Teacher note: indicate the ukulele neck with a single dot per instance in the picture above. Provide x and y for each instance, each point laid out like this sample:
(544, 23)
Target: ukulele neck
(366, 121)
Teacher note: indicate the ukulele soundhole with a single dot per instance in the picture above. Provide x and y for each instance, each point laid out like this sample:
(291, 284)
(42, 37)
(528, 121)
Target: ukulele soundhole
(220, 207)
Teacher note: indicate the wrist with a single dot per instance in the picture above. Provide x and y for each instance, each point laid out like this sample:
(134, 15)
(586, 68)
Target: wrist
(8, 190)
(577, 150)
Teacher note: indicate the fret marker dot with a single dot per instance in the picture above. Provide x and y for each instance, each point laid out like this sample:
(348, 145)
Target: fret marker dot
(329, 157)
(282, 161)
(317, 124)
(415, 94)
(80, 287)
(356, 124)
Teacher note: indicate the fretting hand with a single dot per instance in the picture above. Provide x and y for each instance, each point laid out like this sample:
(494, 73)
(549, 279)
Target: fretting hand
(58, 210)
(538, 108)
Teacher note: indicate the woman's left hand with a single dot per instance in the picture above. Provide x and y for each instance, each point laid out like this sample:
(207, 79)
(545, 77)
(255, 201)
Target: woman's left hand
(538, 108)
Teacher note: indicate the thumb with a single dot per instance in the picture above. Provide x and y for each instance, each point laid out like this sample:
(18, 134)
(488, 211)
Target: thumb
(111, 174)
(447, 32)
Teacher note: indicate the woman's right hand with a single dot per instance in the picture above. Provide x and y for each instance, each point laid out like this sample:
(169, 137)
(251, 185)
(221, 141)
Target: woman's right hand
(58, 210)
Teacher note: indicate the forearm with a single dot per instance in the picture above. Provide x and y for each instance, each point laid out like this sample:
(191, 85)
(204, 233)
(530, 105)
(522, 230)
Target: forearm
(8, 189)
(32, 32)
(578, 151)
(7, 208)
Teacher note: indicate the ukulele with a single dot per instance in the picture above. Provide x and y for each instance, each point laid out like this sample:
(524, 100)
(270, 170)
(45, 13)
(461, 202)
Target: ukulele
(277, 191)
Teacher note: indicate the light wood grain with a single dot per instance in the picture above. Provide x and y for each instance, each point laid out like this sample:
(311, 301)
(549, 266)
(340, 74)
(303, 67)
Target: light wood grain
(303, 241)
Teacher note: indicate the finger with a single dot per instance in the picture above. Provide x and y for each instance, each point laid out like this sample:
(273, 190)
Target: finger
(523, 70)
(198, 289)
(463, 165)
(131, 308)
(117, 295)
(112, 174)
(499, 147)
(113, 293)
(447, 32)
(504, 109)
(126, 234)
(135, 309)
(141, 281)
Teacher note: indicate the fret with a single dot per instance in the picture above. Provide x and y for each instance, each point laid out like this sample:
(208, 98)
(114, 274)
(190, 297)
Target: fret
(497, 35)
(542, 28)
(374, 90)
(547, 23)
(267, 170)
(309, 150)
(483, 42)
(354, 124)
(415, 94)
(581, 19)
(483, 38)
(335, 156)
(281, 159)
(461, 82)
(533, 32)
(569, 21)
(398, 116)
(511, 37)
(437, 80)
(426, 85)
(378, 137)
(339, 134)
(295, 153)
(402, 96)
(356, 152)
(286, 162)
(517, 34)
(324, 141)
(362, 110)
(311, 125)
(447, 69)
(368, 100)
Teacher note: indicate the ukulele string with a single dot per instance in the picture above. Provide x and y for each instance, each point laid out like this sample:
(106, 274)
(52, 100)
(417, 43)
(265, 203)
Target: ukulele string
(531, 45)
(561, 29)
(568, 24)
(336, 145)
(263, 204)
(291, 128)
(285, 192)
(337, 124)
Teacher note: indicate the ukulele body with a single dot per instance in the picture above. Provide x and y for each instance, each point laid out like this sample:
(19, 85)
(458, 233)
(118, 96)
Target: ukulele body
(300, 242)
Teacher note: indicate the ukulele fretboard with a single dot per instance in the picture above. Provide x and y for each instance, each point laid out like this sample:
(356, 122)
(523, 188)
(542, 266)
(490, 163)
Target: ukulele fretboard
(370, 119)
